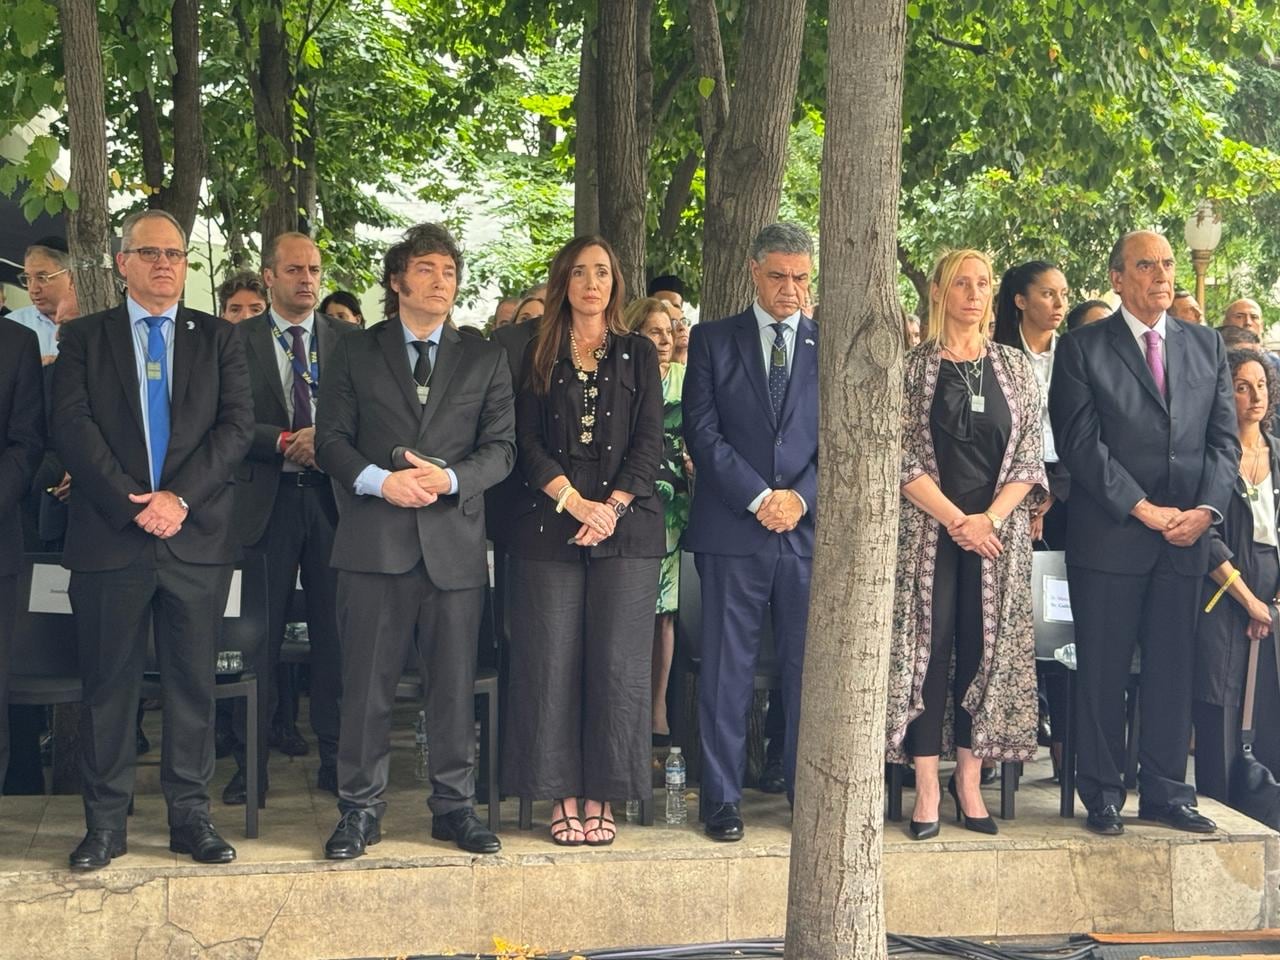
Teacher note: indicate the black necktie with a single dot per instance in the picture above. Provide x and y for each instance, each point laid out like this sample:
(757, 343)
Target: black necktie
(778, 369)
(422, 367)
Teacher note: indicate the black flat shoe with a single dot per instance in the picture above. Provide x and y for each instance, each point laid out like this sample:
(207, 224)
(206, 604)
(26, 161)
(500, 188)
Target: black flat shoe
(1105, 822)
(772, 779)
(201, 841)
(465, 829)
(1179, 816)
(327, 779)
(725, 823)
(985, 824)
(288, 741)
(356, 830)
(97, 849)
(924, 829)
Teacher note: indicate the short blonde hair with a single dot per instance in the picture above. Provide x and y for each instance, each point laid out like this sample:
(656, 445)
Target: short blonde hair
(944, 272)
(639, 311)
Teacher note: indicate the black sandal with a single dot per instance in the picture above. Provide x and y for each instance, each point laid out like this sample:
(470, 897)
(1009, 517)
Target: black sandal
(558, 836)
(606, 823)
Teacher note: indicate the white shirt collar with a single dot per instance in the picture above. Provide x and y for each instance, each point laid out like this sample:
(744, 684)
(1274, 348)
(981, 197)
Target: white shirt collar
(1139, 329)
(283, 324)
(764, 321)
(138, 312)
(1047, 355)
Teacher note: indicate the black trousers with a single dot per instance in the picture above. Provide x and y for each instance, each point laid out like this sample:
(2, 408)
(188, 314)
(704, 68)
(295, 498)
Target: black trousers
(299, 538)
(956, 630)
(8, 610)
(115, 611)
(581, 700)
(382, 617)
(1112, 612)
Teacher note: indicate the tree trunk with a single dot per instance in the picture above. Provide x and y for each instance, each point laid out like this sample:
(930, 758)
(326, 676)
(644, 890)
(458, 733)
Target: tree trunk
(586, 154)
(919, 279)
(88, 226)
(271, 81)
(746, 134)
(182, 195)
(836, 897)
(624, 106)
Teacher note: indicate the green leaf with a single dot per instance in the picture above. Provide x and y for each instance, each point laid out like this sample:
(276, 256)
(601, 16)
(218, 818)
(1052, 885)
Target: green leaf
(71, 199)
(706, 86)
(913, 11)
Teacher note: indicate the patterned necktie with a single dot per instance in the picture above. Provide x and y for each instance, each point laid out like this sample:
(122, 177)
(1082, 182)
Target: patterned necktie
(301, 390)
(1155, 363)
(422, 368)
(157, 368)
(778, 369)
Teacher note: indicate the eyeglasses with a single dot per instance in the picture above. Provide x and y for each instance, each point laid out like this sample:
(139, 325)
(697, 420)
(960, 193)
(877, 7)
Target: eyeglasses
(153, 254)
(26, 279)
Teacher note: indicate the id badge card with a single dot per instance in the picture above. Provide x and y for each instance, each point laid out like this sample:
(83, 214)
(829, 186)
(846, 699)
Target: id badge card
(423, 393)
(153, 370)
(978, 403)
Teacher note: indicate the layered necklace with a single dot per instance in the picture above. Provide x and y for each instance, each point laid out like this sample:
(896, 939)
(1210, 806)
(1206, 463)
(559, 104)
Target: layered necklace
(971, 373)
(590, 389)
(1249, 468)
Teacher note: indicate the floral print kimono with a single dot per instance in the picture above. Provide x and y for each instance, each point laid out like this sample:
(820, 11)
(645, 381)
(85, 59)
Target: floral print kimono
(1002, 697)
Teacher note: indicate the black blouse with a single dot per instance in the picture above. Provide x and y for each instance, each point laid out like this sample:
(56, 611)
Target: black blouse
(969, 446)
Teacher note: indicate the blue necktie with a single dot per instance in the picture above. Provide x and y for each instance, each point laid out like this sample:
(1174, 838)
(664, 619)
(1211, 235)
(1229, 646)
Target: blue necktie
(157, 396)
(778, 370)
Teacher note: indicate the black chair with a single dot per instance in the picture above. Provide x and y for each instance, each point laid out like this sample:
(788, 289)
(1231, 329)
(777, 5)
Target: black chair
(244, 629)
(44, 657)
(687, 662)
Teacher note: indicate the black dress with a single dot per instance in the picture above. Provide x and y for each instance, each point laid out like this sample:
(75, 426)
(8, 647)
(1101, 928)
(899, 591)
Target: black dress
(969, 446)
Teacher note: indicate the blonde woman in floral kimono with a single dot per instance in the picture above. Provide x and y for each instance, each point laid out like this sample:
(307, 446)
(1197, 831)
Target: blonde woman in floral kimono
(962, 674)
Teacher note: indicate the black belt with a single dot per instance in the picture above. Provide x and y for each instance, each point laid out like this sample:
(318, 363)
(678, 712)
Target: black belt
(303, 478)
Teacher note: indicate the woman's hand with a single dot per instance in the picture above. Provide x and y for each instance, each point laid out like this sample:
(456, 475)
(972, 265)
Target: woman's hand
(598, 520)
(1038, 515)
(975, 532)
(1259, 619)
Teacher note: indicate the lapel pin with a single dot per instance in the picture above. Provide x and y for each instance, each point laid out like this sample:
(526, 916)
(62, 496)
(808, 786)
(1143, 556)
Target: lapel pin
(626, 356)
(808, 341)
(191, 325)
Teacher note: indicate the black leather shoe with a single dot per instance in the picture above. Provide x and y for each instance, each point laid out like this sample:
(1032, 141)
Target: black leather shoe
(772, 779)
(201, 842)
(327, 779)
(1106, 821)
(288, 741)
(97, 849)
(985, 824)
(1180, 816)
(356, 830)
(924, 829)
(464, 828)
(725, 823)
(233, 794)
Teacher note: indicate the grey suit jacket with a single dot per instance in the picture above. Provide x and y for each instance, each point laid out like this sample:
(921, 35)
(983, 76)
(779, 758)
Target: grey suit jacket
(368, 406)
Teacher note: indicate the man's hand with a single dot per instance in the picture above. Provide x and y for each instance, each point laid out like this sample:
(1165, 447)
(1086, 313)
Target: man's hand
(47, 358)
(780, 511)
(410, 487)
(430, 477)
(1155, 518)
(163, 514)
(1188, 526)
(63, 490)
(302, 447)
(976, 533)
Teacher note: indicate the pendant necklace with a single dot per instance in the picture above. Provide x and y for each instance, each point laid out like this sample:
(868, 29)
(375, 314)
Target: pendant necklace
(590, 389)
(977, 402)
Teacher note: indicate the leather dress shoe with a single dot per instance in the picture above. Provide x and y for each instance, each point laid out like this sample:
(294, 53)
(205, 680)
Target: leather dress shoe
(327, 779)
(465, 829)
(1180, 816)
(725, 823)
(925, 829)
(356, 830)
(288, 741)
(1105, 821)
(97, 849)
(201, 841)
(234, 793)
(772, 779)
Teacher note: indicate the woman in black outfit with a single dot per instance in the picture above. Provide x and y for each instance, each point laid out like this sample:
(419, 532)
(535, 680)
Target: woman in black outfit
(1245, 541)
(586, 545)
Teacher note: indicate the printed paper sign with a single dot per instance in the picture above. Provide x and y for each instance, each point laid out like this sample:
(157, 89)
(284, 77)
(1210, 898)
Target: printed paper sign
(1057, 601)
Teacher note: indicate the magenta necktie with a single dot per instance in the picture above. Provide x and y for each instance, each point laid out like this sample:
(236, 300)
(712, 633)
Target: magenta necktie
(1155, 363)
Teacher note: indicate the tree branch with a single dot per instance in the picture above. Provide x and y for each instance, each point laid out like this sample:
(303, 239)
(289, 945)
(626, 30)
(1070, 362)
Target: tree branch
(666, 94)
(677, 195)
(958, 44)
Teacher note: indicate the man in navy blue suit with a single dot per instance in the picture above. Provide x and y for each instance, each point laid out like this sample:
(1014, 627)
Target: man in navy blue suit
(751, 426)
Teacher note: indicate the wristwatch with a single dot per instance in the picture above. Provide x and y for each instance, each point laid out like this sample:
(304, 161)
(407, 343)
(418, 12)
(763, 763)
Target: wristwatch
(619, 508)
(997, 521)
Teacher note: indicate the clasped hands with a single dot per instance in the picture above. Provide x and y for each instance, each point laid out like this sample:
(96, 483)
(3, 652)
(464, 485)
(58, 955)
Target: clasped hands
(419, 485)
(1181, 528)
(598, 520)
(780, 511)
(1259, 626)
(301, 448)
(163, 514)
(976, 533)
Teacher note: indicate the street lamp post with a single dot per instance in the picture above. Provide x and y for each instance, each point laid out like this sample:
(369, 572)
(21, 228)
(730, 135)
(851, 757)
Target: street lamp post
(1202, 232)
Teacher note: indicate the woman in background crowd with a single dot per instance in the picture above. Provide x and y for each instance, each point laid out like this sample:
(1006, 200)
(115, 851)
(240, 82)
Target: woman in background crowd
(587, 544)
(241, 296)
(649, 317)
(962, 676)
(343, 306)
(680, 330)
(529, 309)
(1243, 557)
(1087, 312)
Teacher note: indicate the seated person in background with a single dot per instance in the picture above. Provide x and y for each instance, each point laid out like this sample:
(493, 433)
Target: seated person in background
(241, 296)
(1185, 307)
(344, 306)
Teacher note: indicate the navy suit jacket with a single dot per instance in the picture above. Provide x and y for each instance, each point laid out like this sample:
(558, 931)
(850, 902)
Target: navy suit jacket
(738, 447)
(1122, 441)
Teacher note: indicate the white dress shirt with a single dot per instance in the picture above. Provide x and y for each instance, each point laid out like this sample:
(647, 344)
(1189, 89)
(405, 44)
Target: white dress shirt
(1042, 367)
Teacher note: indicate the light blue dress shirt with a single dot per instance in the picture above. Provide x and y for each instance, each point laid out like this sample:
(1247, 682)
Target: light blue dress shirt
(790, 330)
(42, 326)
(138, 325)
(369, 482)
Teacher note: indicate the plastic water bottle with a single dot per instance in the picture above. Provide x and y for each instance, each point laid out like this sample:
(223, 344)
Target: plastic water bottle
(420, 765)
(633, 811)
(676, 812)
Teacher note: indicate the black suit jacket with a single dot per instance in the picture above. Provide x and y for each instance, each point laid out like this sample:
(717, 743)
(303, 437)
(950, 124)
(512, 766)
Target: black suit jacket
(368, 406)
(502, 502)
(21, 434)
(258, 478)
(1122, 441)
(97, 427)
